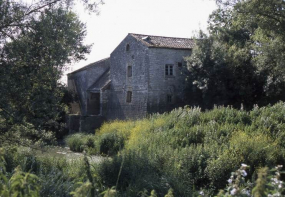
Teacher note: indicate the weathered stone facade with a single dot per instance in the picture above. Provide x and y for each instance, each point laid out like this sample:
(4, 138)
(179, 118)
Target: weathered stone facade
(143, 75)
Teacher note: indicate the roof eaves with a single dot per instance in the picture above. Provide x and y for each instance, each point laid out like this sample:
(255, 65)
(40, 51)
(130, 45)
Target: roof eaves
(137, 37)
(165, 47)
(88, 66)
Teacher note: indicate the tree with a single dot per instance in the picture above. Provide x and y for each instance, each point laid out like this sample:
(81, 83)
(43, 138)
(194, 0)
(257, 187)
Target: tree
(36, 43)
(241, 61)
(267, 39)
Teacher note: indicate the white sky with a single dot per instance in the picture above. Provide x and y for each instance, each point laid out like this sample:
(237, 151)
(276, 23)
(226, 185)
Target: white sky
(117, 18)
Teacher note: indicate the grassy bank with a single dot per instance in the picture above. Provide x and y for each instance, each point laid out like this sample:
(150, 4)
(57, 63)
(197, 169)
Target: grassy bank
(182, 153)
(189, 150)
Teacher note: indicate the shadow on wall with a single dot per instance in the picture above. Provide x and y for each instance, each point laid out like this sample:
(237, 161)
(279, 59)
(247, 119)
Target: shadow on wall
(86, 124)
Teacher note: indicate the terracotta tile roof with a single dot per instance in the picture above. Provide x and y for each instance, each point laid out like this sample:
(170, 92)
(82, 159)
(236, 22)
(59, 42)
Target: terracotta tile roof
(165, 42)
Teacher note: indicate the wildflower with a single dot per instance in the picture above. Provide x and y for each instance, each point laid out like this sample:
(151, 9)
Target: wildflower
(243, 173)
(233, 191)
(201, 193)
(244, 165)
(246, 192)
(274, 181)
(230, 181)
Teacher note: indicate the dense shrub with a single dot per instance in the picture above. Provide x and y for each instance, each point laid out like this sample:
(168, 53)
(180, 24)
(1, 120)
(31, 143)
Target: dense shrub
(55, 177)
(79, 142)
(110, 143)
(132, 173)
(187, 149)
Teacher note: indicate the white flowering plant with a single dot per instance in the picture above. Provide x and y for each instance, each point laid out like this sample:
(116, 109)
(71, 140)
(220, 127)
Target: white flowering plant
(237, 185)
(268, 183)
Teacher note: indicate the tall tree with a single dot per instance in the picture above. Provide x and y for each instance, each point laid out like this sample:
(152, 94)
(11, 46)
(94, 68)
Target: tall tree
(36, 43)
(242, 60)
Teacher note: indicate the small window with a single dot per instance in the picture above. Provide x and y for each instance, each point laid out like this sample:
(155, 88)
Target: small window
(127, 47)
(129, 96)
(168, 70)
(130, 71)
(179, 64)
(169, 98)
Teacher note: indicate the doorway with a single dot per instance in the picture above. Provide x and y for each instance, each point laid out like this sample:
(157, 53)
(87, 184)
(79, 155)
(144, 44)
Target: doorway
(93, 104)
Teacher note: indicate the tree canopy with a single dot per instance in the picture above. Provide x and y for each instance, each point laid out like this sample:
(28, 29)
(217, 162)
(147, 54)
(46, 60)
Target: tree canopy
(36, 42)
(242, 59)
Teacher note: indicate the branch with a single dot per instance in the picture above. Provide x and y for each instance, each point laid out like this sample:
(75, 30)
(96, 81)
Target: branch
(38, 8)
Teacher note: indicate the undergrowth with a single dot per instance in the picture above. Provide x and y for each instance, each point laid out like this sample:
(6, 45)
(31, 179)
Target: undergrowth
(189, 150)
(182, 153)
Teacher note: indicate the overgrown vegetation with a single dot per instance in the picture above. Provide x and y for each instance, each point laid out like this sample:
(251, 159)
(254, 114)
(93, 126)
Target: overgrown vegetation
(79, 142)
(188, 150)
(53, 176)
(182, 153)
(241, 60)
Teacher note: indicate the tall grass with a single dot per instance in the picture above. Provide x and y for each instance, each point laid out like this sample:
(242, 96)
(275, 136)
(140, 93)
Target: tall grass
(187, 149)
(56, 177)
(79, 142)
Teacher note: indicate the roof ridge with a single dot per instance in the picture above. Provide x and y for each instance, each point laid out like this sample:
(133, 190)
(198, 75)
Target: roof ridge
(88, 65)
(160, 36)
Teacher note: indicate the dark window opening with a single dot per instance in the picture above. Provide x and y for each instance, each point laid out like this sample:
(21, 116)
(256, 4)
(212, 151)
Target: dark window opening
(93, 104)
(179, 64)
(169, 98)
(130, 71)
(127, 47)
(129, 96)
(168, 70)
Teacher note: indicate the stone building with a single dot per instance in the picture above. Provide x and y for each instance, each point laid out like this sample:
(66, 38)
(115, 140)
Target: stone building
(143, 75)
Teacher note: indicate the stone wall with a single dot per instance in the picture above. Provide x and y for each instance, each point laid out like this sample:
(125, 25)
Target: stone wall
(80, 80)
(160, 85)
(120, 59)
(148, 84)
(86, 124)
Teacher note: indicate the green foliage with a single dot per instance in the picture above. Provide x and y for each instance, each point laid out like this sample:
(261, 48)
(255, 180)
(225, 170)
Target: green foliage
(268, 183)
(110, 192)
(187, 149)
(191, 151)
(242, 59)
(21, 184)
(58, 177)
(37, 41)
(169, 193)
(92, 187)
(79, 142)
(110, 143)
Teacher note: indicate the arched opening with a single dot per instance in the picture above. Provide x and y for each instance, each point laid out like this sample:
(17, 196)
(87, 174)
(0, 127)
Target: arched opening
(127, 47)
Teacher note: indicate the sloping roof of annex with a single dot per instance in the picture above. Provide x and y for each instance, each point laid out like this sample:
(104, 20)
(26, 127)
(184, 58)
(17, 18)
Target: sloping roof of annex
(90, 65)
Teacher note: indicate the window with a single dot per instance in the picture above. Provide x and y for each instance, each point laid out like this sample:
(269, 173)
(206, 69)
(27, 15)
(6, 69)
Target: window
(169, 98)
(130, 71)
(127, 47)
(168, 70)
(179, 64)
(129, 96)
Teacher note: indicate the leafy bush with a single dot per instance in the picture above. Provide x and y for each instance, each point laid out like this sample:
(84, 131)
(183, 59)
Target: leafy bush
(187, 149)
(58, 177)
(132, 172)
(79, 142)
(110, 143)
